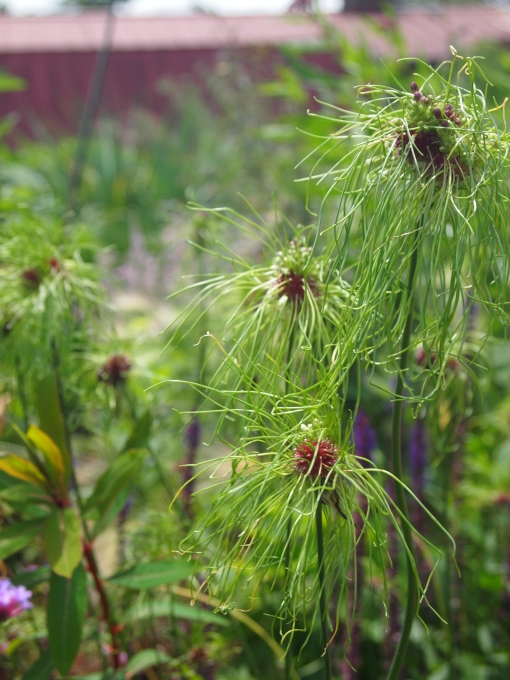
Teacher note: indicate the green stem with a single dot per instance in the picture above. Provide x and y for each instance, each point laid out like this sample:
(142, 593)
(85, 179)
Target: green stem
(88, 542)
(286, 563)
(396, 455)
(322, 585)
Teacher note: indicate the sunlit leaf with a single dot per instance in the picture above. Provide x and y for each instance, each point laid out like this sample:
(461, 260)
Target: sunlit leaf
(51, 418)
(51, 452)
(62, 541)
(20, 468)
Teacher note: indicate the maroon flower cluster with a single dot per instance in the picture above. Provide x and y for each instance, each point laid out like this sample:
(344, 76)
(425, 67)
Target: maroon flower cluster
(315, 458)
(114, 371)
(426, 145)
(292, 285)
(425, 361)
(31, 278)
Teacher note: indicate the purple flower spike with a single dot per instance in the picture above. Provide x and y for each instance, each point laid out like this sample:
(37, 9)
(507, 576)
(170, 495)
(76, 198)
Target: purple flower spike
(13, 599)
(418, 447)
(365, 439)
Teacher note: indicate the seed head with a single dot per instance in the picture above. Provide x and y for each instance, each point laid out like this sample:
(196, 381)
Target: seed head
(315, 458)
(114, 371)
(292, 285)
(31, 278)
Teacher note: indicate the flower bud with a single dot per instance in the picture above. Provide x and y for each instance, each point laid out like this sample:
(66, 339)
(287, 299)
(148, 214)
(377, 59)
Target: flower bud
(414, 87)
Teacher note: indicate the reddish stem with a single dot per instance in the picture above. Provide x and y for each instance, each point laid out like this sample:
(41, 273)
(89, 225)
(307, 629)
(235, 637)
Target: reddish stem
(107, 616)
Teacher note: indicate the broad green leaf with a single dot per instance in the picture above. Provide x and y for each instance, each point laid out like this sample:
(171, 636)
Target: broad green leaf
(139, 436)
(116, 478)
(154, 574)
(145, 659)
(113, 510)
(51, 418)
(67, 603)
(50, 451)
(41, 669)
(62, 541)
(25, 493)
(23, 469)
(165, 606)
(31, 579)
(16, 536)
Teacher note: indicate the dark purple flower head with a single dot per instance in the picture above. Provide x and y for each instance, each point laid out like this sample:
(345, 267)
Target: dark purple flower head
(126, 509)
(31, 278)
(315, 458)
(365, 439)
(114, 371)
(13, 599)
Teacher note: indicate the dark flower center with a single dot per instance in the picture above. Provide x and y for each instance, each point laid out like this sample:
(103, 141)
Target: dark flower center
(114, 370)
(315, 458)
(31, 278)
(293, 286)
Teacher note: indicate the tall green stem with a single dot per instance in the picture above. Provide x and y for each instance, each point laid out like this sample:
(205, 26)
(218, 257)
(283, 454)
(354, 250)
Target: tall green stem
(322, 586)
(396, 456)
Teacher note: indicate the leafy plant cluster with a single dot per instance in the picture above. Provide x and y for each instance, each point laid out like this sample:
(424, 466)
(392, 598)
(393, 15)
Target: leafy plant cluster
(343, 448)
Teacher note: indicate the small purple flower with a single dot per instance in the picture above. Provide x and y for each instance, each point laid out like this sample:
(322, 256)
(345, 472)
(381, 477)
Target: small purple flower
(125, 510)
(365, 439)
(13, 599)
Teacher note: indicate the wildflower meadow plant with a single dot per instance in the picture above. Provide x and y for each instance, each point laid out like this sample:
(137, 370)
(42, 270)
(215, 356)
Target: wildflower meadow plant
(417, 235)
(13, 599)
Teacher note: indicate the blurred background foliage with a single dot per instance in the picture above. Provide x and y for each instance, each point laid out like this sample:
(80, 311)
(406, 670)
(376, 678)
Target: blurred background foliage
(235, 142)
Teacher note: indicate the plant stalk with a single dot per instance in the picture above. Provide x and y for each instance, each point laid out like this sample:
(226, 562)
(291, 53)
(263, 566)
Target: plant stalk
(396, 457)
(322, 586)
(88, 550)
(105, 605)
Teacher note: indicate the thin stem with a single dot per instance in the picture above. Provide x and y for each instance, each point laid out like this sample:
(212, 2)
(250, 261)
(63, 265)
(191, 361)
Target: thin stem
(105, 605)
(396, 456)
(323, 603)
(91, 104)
(88, 550)
(286, 563)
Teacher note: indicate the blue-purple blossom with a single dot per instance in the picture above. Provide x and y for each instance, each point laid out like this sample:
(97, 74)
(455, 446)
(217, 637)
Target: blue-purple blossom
(365, 439)
(13, 599)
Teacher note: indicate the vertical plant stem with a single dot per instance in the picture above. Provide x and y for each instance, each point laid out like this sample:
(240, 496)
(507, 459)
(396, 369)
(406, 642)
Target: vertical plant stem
(91, 104)
(286, 563)
(322, 586)
(88, 550)
(105, 604)
(396, 457)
